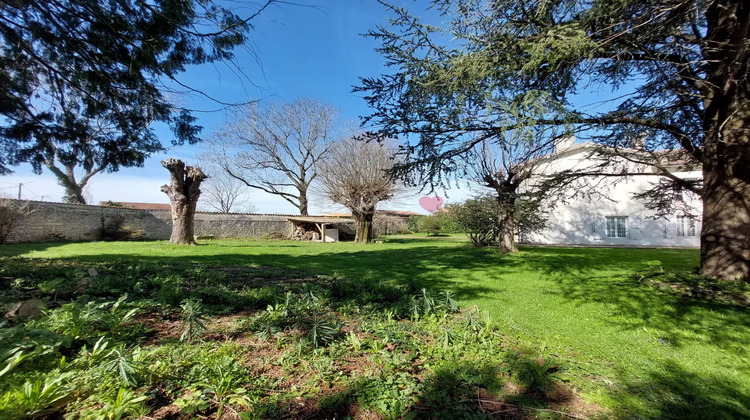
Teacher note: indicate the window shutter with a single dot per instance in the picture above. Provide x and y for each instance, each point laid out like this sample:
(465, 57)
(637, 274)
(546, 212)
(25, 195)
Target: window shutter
(599, 228)
(670, 229)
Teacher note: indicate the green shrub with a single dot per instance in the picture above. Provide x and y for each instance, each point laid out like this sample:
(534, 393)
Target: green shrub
(413, 221)
(479, 219)
(439, 222)
(430, 224)
(114, 229)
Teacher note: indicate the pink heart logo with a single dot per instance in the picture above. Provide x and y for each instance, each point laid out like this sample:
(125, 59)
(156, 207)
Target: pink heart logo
(431, 204)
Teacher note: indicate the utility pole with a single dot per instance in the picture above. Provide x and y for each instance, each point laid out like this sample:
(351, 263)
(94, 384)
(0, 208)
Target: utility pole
(20, 184)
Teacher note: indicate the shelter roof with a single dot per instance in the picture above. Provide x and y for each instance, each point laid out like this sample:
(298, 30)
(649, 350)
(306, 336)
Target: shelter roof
(320, 219)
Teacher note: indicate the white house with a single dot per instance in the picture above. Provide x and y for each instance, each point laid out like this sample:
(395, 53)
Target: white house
(605, 213)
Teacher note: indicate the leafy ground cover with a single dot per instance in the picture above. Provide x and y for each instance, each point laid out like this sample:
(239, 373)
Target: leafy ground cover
(266, 329)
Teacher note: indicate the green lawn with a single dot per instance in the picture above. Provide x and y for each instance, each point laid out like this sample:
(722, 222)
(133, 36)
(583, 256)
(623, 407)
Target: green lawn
(633, 349)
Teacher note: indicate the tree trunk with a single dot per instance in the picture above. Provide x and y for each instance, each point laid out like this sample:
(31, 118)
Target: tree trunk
(73, 193)
(725, 237)
(363, 226)
(303, 203)
(183, 194)
(73, 190)
(506, 239)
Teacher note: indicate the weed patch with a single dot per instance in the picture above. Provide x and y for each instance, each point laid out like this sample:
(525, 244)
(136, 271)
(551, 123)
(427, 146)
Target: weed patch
(127, 340)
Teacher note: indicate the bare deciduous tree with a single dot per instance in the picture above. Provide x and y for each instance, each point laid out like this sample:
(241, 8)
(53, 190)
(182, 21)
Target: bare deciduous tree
(222, 192)
(355, 176)
(277, 149)
(183, 192)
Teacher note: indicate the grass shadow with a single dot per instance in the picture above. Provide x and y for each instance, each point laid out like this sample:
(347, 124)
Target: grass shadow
(684, 395)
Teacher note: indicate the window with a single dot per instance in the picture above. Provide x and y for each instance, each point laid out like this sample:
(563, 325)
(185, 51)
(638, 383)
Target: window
(617, 226)
(685, 226)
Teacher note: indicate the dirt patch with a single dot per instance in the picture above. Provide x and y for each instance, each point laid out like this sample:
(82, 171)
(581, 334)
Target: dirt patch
(565, 399)
(169, 412)
(160, 326)
(561, 401)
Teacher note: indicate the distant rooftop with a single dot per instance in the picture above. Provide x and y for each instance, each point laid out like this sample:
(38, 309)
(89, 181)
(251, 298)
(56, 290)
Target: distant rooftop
(400, 213)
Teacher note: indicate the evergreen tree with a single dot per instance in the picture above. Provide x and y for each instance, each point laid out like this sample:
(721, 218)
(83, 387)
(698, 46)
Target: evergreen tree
(82, 81)
(679, 69)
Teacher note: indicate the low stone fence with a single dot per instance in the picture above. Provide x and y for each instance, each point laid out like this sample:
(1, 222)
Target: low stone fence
(241, 225)
(45, 221)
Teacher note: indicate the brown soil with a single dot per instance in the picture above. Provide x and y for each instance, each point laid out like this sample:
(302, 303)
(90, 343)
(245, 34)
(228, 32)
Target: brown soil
(160, 326)
(168, 412)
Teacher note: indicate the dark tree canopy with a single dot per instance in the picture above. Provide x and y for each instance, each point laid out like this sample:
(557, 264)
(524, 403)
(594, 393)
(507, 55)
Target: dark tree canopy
(81, 81)
(678, 69)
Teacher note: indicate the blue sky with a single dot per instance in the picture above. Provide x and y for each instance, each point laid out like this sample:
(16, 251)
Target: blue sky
(315, 52)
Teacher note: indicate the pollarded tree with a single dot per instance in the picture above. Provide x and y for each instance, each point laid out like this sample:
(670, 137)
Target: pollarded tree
(183, 191)
(277, 149)
(506, 164)
(82, 81)
(678, 68)
(356, 175)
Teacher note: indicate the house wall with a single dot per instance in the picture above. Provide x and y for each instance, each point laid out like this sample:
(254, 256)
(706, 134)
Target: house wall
(46, 221)
(581, 220)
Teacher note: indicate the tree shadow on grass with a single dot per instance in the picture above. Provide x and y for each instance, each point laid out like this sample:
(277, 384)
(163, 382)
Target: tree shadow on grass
(16, 249)
(416, 268)
(673, 392)
(574, 273)
(679, 318)
(670, 321)
(578, 276)
(560, 262)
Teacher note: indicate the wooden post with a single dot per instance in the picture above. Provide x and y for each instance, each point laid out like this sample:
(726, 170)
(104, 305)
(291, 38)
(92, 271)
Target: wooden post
(323, 232)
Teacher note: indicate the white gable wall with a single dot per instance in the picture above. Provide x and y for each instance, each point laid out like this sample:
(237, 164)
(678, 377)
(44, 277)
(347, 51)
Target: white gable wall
(583, 220)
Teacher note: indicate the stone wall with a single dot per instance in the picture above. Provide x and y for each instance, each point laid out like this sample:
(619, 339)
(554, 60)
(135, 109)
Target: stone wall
(240, 225)
(45, 221)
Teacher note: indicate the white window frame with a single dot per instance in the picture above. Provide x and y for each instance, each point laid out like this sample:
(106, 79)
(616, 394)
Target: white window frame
(686, 226)
(618, 228)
